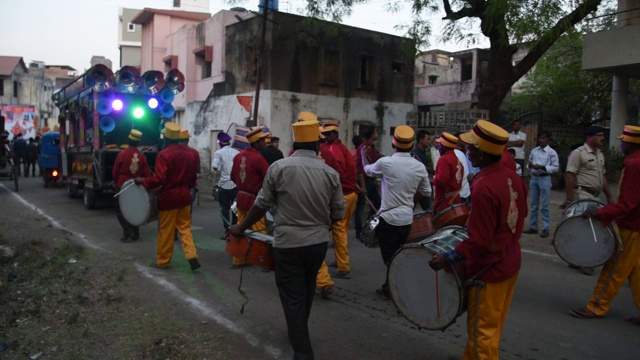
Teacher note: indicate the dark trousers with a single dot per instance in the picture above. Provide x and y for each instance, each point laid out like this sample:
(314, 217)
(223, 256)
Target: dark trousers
(296, 271)
(27, 166)
(374, 197)
(391, 239)
(129, 230)
(226, 198)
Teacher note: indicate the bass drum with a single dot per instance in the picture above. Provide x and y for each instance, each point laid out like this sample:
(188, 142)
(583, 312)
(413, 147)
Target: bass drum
(429, 299)
(584, 242)
(138, 206)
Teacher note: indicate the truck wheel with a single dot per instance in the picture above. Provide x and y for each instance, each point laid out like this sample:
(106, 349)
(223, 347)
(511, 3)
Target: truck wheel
(89, 199)
(72, 191)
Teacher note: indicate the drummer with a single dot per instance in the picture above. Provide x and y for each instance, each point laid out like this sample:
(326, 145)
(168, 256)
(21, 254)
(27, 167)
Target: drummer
(402, 177)
(449, 173)
(492, 251)
(625, 212)
(129, 164)
(173, 175)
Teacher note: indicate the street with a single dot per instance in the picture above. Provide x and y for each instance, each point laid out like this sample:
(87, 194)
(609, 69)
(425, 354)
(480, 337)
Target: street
(354, 323)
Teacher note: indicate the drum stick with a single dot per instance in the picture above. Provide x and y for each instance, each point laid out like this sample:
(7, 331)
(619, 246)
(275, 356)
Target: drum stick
(595, 238)
(125, 189)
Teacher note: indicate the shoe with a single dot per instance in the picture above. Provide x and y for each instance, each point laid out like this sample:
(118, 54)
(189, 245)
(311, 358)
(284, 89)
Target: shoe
(584, 313)
(156, 266)
(635, 320)
(326, 292)
(530, 231)
(383, 294)
(587, 271)
(341, 275)
(135, 237)
(195, 265)
(544, 233)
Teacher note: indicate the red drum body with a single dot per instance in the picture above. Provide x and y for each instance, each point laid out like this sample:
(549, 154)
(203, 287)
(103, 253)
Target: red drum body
(254, 248)
(453, 215)
(421, 227)
(429, 299)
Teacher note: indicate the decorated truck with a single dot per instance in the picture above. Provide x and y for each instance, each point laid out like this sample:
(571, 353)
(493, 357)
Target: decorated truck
(97, 112)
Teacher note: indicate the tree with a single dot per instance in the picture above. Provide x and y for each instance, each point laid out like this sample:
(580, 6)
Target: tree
(506, 23)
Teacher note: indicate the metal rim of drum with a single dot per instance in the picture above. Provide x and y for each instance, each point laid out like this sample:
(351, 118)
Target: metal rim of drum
(564, 256)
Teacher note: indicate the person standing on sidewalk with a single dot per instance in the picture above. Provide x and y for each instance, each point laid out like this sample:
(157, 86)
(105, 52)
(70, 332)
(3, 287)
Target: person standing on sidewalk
(516, 141)
(227, 190)
(624, 264)
(585, 176)
(543, 161)
(308, 196)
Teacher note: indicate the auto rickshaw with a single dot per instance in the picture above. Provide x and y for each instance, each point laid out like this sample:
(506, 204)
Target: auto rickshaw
(49, 158)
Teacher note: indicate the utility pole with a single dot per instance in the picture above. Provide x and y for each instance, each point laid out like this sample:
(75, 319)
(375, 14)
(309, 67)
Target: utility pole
(254, 122)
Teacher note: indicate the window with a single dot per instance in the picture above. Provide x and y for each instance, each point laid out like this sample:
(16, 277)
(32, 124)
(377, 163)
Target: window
(131, 27)
(366, 72)
(15, 89)
(397, 67)
(331, 66)
(484, 69)
(206, 70)
(176, 3)
(466, 72)
(433, 79)
(1, 87)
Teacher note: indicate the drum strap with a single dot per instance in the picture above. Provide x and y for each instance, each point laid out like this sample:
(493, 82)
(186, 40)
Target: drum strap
(244, 260)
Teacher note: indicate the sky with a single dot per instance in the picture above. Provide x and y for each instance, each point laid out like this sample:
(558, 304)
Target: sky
(70, 32)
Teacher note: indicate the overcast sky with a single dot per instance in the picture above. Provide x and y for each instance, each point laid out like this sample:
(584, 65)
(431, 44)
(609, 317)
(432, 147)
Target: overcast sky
(70, 32)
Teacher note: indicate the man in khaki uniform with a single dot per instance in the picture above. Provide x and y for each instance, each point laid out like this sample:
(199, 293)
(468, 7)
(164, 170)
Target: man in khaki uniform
(585, 173)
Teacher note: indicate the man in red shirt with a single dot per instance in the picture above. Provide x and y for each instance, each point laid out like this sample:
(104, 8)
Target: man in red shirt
(625, 212)
(130, 164)
(195, 159)
(248, 171)
(368, 184)
(492, 251)
(449, 173)
(173, 175)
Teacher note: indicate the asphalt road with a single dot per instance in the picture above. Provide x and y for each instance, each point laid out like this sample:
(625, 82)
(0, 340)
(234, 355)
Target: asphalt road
(354, 323)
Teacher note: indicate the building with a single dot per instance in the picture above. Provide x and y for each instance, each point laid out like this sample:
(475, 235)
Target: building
(96, 59)
(129, 38)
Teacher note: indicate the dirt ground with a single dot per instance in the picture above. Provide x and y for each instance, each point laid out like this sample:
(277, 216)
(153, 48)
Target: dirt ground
(60, 300)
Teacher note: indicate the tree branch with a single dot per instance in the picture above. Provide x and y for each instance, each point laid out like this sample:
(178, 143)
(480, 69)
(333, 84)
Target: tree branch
(460, 14)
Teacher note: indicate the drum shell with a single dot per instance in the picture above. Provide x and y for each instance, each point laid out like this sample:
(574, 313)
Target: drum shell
(138, 206)
(413, 285)
(260, 253)
(456, 214)
(421, 227)
(574, 239)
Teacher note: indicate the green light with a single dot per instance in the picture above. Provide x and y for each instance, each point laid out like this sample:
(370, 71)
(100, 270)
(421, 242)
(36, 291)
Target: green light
(138, 113)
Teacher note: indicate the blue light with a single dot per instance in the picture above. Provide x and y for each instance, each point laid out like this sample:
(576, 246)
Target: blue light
(117, 105)
(153, 103)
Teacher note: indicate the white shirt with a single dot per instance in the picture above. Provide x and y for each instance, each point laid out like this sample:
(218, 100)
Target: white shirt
(223, 162)
(544, 156)
(465, 191)
(402, 177)
(435, 156)
(519, 150)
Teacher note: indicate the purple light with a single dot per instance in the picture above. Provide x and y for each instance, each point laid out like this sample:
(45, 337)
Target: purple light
(117, 105)
(153, 103)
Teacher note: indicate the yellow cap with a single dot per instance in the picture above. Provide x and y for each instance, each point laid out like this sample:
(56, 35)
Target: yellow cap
(306, 116)
(255, 134)
(171, 131)
(135, 135)
(448, 140)
(487, 137)
(306, 131)
(330, 125)
(403, 137)
(184, 134)
(630, 134)
(124, 146)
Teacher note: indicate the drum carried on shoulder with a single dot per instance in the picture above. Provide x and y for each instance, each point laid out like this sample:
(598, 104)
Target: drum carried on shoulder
(429, 299)
(138, 205)
(584, 242)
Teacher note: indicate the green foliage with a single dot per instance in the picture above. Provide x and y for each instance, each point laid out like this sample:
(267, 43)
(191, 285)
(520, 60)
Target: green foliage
(614, 159)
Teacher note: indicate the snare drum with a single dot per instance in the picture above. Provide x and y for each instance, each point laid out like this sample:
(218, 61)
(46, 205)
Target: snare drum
(584, 242)
(254, 248)
(421, 227)
(138, 206)
(453, 215)
(429, 299)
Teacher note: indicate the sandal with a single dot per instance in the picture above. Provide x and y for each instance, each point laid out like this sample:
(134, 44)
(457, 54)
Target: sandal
(584, 313)
(635, 320)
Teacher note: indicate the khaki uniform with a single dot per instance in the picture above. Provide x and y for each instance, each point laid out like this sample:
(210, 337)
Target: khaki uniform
(588, 165)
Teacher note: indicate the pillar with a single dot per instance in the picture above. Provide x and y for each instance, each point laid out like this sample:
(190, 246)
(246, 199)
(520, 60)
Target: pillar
(619, 99)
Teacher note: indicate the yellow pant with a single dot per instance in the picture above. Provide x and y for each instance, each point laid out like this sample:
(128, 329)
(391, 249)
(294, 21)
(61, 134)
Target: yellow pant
(339, 233)
(486, 312)
(622, 266)
(168, 222)
(323, 279)
(259, 226)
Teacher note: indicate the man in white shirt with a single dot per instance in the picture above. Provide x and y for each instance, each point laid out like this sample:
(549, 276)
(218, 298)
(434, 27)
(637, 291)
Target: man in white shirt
(402, 177)
(516, 141)
(227, 191)
(465, 190)
(543, 161)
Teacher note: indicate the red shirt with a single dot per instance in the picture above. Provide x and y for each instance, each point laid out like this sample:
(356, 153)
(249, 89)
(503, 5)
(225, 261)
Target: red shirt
(626, 211)
(495, 224)
(345, 166)
(130, 163)
(507, 160)
(195, 159)
(372, 153)
(447, 181)
(248, 171)
(173, 174)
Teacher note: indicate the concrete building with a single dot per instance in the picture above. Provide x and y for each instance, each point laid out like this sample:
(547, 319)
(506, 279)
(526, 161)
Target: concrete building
(96, 59)
(129, 38)
(617, 52)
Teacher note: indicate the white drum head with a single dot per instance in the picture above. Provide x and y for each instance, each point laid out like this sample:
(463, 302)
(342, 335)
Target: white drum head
(135, 204)
(575, 243)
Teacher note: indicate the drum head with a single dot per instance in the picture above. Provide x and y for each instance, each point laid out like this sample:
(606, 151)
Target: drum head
(135, 204)
(429, 299)
(575, 243)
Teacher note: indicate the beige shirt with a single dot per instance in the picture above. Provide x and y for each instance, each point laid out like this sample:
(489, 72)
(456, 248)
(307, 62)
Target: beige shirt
(308, 196)
(588, 165)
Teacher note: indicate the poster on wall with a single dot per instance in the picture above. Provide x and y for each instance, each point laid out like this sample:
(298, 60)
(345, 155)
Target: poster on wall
(19, 119)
